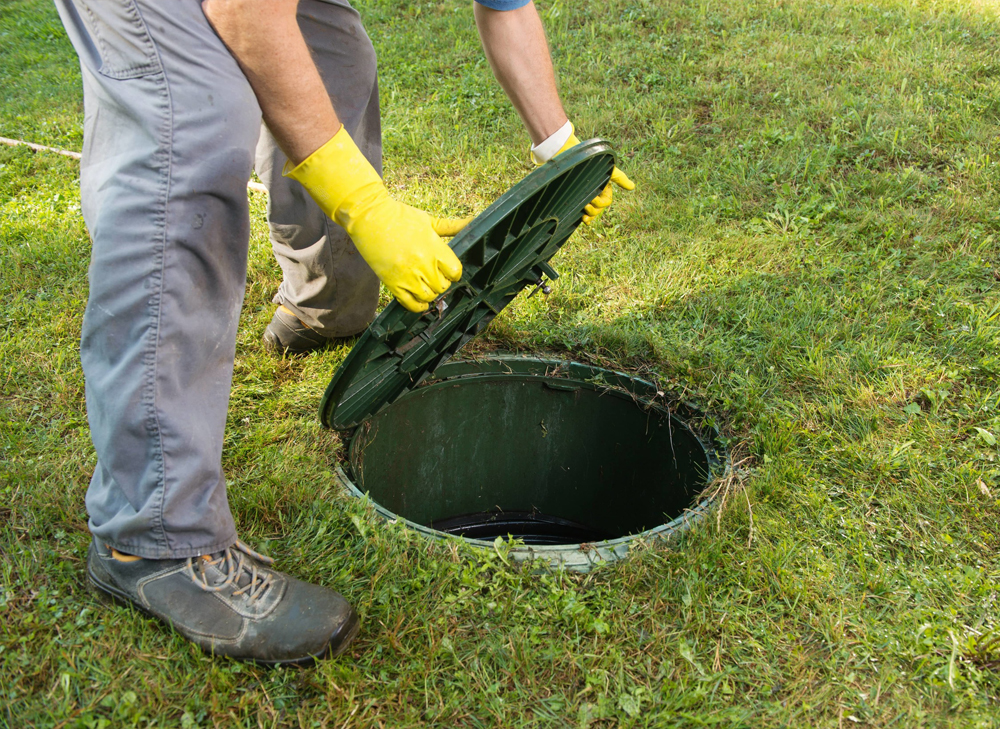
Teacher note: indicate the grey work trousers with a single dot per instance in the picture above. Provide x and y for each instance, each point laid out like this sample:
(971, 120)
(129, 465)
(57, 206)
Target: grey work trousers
(171, 132)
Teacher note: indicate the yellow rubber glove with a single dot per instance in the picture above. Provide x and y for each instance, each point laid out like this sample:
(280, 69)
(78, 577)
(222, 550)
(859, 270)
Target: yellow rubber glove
(402, 244)
(597, 206)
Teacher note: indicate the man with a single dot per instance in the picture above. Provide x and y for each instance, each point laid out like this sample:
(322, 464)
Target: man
(174, 95)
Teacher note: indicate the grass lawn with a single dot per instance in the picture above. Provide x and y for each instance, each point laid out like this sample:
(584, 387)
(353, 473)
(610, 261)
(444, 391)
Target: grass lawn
(812, 255)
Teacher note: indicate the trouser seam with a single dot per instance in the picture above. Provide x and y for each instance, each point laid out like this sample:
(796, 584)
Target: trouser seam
(332, 273)
(156, 303)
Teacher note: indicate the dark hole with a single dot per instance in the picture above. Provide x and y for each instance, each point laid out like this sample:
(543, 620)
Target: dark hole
(531, 527)
(543, 460)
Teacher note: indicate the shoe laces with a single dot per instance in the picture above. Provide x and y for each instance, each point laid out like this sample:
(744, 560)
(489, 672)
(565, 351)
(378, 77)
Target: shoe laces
(240, 572)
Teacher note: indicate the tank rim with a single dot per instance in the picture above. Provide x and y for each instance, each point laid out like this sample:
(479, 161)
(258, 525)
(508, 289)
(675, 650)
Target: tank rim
(583, 556)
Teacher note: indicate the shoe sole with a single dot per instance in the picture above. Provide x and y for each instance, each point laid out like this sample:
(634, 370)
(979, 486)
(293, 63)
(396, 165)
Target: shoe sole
(335, 646)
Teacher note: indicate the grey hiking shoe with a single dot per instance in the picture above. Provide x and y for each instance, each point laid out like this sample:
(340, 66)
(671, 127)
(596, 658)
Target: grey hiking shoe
(229, 603)
(286, 334)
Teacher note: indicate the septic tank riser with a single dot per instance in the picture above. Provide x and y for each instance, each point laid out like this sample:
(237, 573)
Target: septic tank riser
(679, 460)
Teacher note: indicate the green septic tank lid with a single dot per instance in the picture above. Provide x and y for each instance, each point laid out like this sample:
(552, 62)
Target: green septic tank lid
(503, 250)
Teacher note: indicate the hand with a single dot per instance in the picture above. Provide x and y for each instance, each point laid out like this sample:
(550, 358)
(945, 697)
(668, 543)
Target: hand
(597, 206)
(600, 203)
(402, 244)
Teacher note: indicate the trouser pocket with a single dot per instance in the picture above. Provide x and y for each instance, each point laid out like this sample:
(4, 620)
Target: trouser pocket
(118, 37)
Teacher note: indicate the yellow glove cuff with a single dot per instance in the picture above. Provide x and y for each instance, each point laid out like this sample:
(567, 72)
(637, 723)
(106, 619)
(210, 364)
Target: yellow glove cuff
(339, 178)
(571, 142)
(544, 151)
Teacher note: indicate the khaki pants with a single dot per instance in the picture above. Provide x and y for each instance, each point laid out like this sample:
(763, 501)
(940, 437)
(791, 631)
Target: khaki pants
(171, 132)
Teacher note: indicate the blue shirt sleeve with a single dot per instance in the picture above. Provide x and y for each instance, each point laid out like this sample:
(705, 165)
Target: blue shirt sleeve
(504, 4)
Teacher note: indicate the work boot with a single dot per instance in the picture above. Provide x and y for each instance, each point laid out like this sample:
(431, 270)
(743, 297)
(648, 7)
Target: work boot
(229, 603)
(286, 334)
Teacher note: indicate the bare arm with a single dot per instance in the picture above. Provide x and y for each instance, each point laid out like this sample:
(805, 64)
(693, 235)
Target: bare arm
(264, 37)
(515, 45)
(403, 245)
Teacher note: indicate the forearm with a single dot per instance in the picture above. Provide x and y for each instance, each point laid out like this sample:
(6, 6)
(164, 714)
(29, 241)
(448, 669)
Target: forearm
(515, 45)
(264, 37)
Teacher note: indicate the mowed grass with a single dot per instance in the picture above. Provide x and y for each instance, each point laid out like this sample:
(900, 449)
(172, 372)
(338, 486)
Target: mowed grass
(811, 255)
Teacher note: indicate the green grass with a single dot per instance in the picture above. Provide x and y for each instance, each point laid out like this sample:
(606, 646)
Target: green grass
(812, 255)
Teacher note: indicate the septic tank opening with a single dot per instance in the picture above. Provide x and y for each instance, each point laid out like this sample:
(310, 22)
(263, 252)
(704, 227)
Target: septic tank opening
(547, 460)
